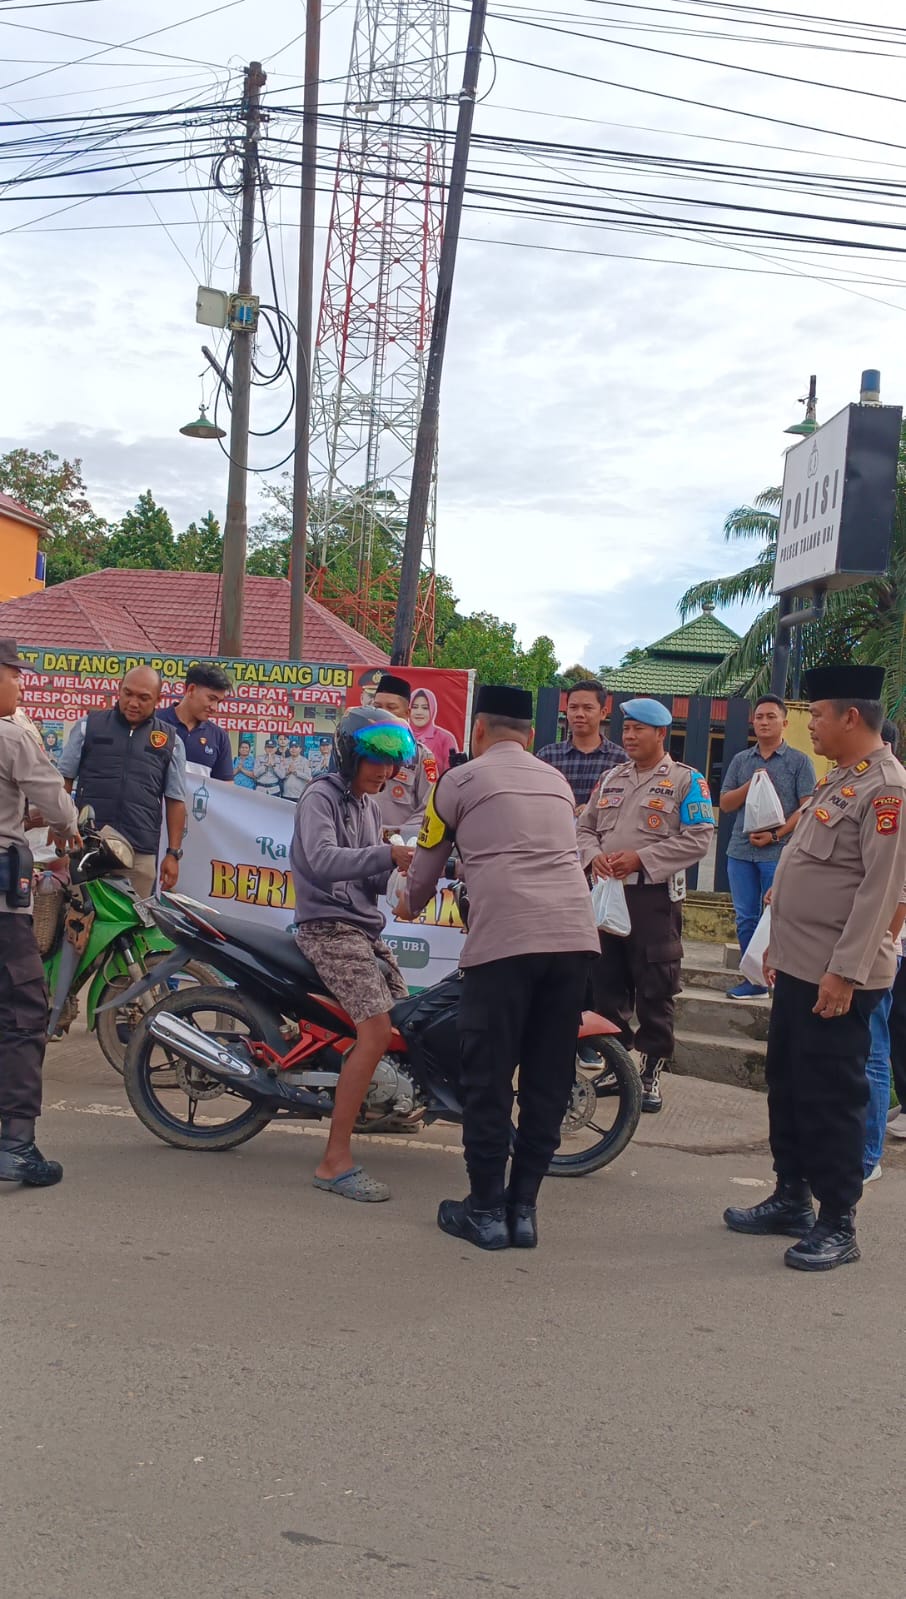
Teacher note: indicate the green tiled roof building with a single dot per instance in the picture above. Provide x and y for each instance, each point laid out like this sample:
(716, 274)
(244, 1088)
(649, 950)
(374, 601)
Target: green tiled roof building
(677, 663)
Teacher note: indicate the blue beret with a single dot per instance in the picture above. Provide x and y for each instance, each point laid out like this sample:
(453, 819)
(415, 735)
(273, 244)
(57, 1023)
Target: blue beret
(651, 712)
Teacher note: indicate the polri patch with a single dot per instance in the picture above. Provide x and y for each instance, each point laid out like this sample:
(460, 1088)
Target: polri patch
(158, 741)
(655, 821)
(887, 812)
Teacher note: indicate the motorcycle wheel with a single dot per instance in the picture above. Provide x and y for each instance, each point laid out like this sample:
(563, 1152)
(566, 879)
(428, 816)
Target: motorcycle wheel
(114, 1028)
(603, 1113)
(165, 1090)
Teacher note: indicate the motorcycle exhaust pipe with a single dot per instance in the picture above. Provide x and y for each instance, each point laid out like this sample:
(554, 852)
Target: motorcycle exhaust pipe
(226, 1066)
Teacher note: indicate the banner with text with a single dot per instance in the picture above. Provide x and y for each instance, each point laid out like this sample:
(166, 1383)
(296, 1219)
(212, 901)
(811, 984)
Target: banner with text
(237, 861)
(280, 717)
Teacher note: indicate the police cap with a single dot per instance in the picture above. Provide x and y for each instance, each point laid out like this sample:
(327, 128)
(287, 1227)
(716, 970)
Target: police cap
(651, 712)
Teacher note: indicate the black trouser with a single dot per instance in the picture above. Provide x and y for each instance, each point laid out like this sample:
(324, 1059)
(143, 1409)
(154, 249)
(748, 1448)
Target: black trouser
(523, 1011)
(23, 1018)
(642, 973)
(818, 1090)
(898, 1035)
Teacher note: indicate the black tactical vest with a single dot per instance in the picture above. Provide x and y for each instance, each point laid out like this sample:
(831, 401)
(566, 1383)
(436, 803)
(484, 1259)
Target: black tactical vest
(122, 774)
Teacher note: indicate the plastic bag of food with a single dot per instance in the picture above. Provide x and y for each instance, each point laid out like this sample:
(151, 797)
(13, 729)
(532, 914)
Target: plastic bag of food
(763, 807)
(752, 963)
(608, 901)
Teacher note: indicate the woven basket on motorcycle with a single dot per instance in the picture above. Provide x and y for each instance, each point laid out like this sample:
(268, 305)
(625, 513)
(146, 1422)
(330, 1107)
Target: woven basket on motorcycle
(47, 911)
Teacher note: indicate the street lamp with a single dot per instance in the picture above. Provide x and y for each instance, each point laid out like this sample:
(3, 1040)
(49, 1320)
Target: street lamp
(203, 428)
(809, 423)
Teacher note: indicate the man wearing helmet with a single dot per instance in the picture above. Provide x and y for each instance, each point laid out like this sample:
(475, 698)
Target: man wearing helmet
(340, 865)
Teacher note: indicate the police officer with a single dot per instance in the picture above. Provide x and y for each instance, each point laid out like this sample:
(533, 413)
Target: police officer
(525, 961)
(644, 824)
(402, 800)
(831, 958)
(27, 775)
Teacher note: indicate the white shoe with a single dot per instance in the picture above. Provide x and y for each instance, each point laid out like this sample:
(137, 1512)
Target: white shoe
(897, 1128)
(873, 1175)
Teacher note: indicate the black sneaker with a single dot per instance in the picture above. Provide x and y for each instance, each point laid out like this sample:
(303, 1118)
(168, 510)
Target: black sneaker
(22, 1162)
(831, 1242)
(486, 1229)
(788, 1211)
(652, 1099)
(522, 1221)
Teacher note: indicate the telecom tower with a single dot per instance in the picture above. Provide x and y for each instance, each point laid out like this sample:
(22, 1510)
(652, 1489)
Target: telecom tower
(376, 310)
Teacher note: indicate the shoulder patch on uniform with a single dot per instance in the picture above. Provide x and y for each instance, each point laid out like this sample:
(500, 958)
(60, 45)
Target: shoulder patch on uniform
(887, 812)
(822, 782)
(434, 829)
(696, 808)
(430, 765)
(158, 740)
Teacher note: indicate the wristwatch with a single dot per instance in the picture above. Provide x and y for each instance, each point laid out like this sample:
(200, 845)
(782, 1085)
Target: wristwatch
(176, 853)
(775, 835)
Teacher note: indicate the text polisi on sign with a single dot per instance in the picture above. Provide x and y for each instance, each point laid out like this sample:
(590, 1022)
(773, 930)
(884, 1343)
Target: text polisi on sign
(837, 506)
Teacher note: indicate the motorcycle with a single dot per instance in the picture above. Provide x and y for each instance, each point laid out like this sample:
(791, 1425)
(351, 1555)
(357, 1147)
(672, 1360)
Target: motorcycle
(210, 1068)
(95, 933)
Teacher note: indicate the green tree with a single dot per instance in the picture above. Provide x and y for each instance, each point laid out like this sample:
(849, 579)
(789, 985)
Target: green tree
(144, 537)
(866, 623)
(200, 548)
(76, 536)
(538, 666)
(484, 642)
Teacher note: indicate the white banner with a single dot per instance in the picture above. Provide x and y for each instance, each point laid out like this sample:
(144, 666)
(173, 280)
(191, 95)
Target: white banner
(236, 859)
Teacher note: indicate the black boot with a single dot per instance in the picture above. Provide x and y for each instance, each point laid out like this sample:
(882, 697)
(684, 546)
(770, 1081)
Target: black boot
(788, 1211)
(487, 1229)
(21, 1160)
(652, 1099)
(831, 1242)
(522, 1221)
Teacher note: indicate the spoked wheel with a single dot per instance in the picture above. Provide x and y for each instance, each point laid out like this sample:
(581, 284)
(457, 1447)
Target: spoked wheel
(603, 1112)
(115, 1027)
(177, 1100)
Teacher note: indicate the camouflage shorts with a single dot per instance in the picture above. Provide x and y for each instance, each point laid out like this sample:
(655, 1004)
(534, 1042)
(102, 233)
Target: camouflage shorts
(347, 962)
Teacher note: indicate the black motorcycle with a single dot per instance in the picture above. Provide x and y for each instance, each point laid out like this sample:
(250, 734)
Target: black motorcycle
(210, 1067)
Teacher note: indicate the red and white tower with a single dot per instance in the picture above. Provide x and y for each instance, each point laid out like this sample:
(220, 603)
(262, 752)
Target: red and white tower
(376, 309)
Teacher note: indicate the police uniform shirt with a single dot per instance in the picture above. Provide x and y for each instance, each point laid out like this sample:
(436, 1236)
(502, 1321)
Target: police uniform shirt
(403, 798)
(27, 773)
(664, 815)
(513, 821)
(840, 879)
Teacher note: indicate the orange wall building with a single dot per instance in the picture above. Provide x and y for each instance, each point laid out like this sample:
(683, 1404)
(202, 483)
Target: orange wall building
(21, 564)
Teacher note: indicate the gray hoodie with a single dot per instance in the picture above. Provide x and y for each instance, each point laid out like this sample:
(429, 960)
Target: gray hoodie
(338, 862)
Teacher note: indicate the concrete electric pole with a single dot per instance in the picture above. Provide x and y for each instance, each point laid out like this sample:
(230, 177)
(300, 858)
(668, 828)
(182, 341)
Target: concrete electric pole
(235, 531)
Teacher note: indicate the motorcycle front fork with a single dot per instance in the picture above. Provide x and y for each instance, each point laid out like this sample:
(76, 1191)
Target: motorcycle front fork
(136, 972)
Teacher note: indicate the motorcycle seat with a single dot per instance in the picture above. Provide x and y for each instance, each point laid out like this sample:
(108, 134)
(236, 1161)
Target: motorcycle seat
(270, 946)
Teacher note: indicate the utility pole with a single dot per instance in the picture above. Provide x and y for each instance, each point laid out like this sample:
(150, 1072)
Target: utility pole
(304, 313)
(235, 531)
(426, 441)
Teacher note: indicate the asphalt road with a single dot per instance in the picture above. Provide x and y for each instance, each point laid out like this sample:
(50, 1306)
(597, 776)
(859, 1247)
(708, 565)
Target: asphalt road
(219, 1382)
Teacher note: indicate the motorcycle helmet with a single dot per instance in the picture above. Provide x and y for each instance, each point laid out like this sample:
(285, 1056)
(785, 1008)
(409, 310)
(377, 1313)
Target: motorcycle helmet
(365, 734)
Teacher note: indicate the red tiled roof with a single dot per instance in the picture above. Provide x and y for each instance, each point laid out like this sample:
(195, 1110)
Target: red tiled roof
(20, 513)
(175, 613)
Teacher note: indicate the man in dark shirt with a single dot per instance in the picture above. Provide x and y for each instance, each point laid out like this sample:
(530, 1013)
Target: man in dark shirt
(205, 743)
(586, 753)
(752, 858)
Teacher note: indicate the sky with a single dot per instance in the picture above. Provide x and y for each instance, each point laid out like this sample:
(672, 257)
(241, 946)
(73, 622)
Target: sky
(608, 395)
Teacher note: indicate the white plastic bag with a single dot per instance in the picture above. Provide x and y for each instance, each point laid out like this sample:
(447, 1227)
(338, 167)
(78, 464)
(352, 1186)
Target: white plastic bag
(608, 901)
(763, 807)
(752, 963)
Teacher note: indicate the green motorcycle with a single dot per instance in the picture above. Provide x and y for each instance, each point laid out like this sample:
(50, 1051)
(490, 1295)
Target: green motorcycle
(95, 936)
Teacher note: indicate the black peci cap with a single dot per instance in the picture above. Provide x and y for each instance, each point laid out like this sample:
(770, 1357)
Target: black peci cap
(388, 684)
(9, 654)
(498, 699)
(844, 683)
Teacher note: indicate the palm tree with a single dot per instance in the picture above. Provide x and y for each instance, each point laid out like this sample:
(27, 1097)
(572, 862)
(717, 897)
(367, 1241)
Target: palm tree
(866, 624)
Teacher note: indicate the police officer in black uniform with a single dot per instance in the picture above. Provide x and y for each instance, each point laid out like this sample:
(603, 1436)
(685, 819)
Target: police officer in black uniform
(27, 776)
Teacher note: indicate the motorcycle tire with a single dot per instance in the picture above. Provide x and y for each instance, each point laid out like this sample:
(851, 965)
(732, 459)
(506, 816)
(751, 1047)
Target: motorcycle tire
(139, 1081)
(619, 1078)
(108, 1024)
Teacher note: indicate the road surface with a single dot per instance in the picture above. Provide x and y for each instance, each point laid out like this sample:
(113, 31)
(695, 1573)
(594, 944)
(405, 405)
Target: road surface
(220, 1382)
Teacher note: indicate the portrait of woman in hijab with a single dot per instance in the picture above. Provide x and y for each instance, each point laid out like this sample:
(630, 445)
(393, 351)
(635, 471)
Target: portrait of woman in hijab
(422, 720)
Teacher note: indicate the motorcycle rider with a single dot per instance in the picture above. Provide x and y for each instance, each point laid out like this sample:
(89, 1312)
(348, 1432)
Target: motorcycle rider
(26, 775)
(525, 962)
(340, 865)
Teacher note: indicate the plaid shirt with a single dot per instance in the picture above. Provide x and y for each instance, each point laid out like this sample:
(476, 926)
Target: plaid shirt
(580, 768)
